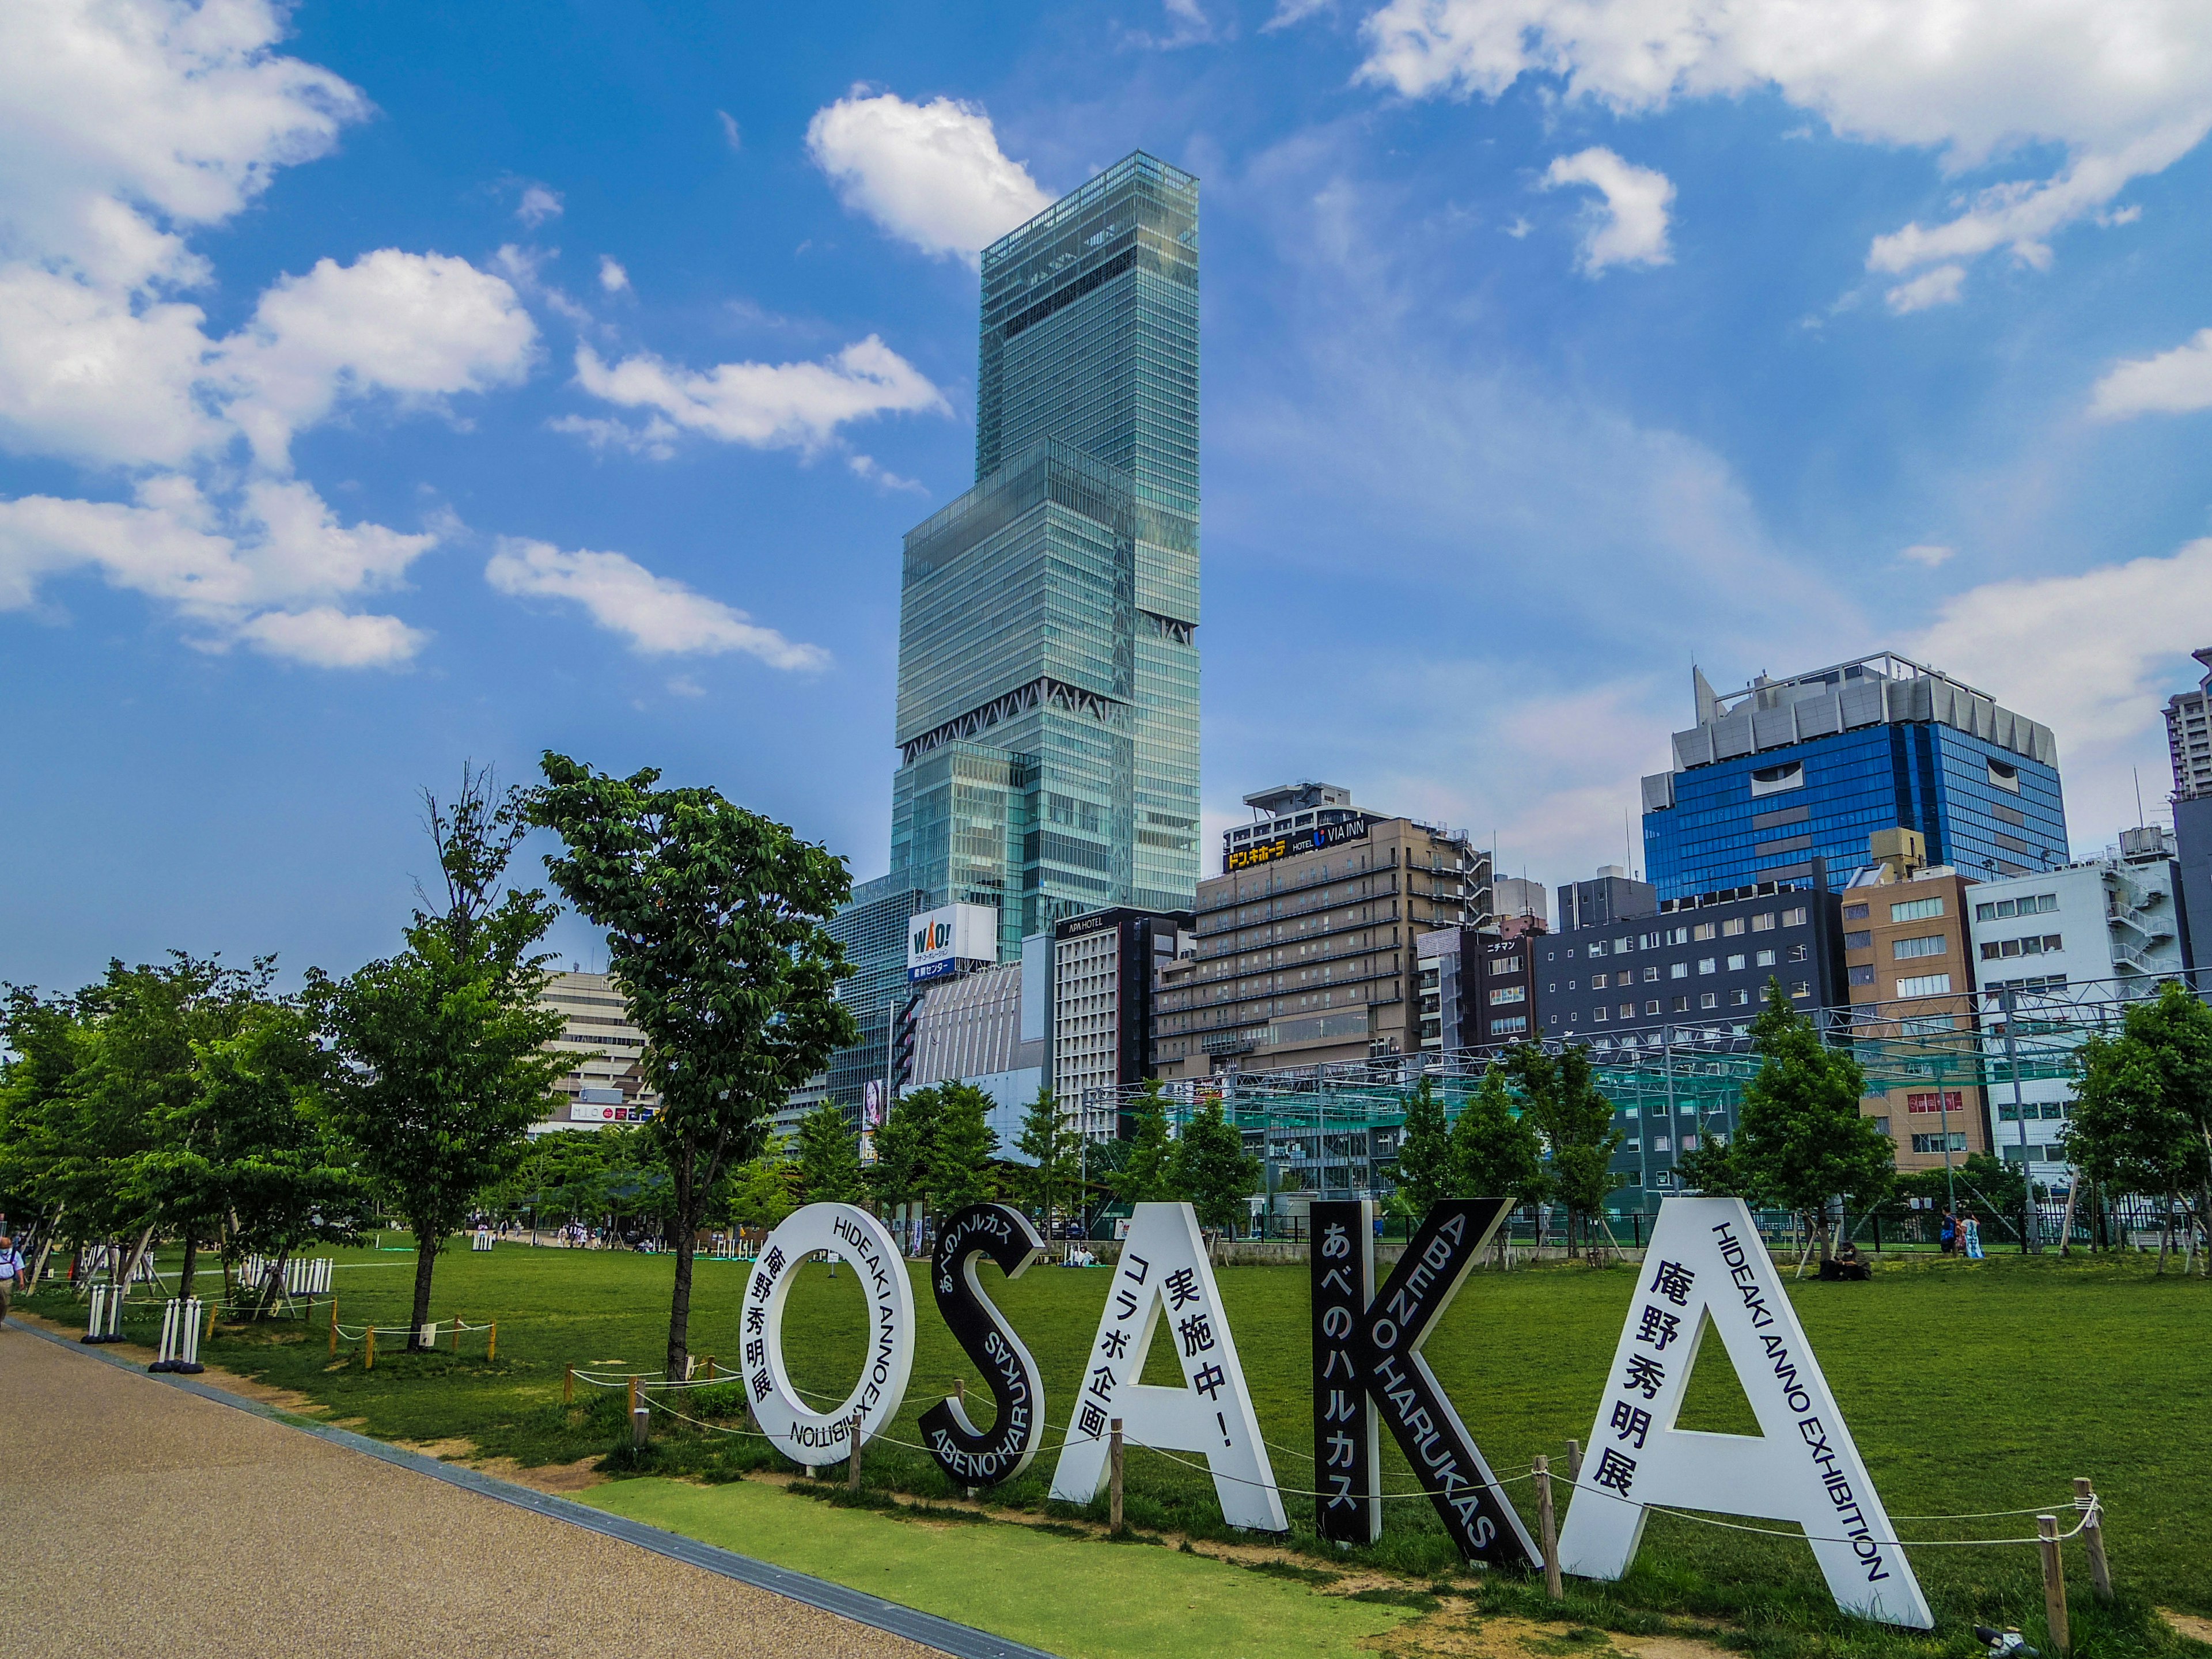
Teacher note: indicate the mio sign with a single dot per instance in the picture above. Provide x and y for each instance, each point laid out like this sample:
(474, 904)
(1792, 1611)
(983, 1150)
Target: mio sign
(1705, 1269)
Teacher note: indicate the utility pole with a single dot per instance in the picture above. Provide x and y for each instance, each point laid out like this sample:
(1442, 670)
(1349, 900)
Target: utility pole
(2019, 1121)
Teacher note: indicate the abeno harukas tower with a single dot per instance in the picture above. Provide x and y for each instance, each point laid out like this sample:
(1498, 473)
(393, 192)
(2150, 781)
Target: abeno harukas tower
(1048, 682)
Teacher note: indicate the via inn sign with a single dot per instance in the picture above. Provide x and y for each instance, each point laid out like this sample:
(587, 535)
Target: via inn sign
(1705, 1270)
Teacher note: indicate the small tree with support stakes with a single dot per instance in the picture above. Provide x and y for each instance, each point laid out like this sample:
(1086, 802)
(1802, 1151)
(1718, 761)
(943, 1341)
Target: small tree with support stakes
(1801, 1141)
(713, 917)
(441, 1066)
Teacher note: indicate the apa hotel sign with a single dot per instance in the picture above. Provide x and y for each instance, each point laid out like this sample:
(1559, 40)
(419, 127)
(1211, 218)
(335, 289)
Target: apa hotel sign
(1705, 1270)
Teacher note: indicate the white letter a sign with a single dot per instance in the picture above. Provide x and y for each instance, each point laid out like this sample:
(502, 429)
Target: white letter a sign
(1706, 1261)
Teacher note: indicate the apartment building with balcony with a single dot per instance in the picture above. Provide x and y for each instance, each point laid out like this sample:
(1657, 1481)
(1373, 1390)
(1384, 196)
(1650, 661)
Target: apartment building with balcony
(2059, 950)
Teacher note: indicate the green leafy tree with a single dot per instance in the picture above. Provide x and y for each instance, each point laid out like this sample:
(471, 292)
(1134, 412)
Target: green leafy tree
(828, 1157)
(763, 1190)
(713, 917)
(1495, 1152)
(1212, 1168)
(2142, 1104)
(960, 1148)
(1560, 1097)
(1801, 1141)
(1147, 1171)
(906, 1144)
(1714, 1170)
(1425, 1152)
(441, 1061)
(255, 1148)
(98, 1112)
(1051, 1141)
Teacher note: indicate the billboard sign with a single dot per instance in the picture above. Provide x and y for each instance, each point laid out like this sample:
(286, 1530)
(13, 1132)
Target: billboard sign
(1307, 840)
(940, 942)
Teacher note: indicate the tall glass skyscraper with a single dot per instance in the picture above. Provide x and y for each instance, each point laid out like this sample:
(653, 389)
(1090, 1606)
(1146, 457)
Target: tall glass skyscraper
(1047, 681)
(1788, 771)
(1047, 686)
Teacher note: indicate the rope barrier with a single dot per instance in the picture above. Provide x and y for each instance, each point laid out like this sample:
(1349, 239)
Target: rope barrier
(2090, 1508)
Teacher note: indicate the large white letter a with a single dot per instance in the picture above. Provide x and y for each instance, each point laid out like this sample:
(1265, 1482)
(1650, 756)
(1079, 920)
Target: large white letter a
(1706, 1261)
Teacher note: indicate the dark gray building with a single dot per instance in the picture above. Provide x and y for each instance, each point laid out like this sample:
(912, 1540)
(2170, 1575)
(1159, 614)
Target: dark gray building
(1611, 897)
(1691, 977)
(2192, 837)
(1699, 962)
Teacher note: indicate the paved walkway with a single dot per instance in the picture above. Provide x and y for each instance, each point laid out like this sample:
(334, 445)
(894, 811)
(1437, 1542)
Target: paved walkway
(136, 1519)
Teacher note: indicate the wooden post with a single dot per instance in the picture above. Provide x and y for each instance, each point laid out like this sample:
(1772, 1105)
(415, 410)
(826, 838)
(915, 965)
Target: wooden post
(334, 1327)
(710, 1368)
(2054, 1583)
(369, 1363)
(568, 1386)
(1547, 1528)
(1574, 1460)
(2092, 1537)
(492, 1345)
(1114, 1478)
(852, 1468)
(457, 1334)
(215, 1303)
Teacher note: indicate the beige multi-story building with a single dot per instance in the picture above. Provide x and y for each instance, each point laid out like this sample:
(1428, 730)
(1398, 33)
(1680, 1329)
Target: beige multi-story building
(1909, 963)
(1305, 942)
(605, 1085)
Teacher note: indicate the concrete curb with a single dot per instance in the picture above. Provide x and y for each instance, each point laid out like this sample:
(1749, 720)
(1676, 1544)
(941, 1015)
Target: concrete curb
(963, 1641)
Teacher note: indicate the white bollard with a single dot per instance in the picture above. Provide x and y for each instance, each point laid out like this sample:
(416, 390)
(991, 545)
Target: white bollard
(107, 1315)
(181, 1337)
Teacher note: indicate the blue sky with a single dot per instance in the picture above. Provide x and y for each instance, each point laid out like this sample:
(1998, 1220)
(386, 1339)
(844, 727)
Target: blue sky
(386, 387)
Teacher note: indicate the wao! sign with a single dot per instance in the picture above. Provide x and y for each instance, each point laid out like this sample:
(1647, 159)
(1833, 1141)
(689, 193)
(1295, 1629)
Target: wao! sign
(1705, 1269)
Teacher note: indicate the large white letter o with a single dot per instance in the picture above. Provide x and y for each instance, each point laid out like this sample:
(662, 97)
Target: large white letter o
(799, 1432)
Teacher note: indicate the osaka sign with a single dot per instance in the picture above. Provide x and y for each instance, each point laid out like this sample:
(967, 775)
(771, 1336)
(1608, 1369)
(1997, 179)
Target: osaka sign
(1705, 1268)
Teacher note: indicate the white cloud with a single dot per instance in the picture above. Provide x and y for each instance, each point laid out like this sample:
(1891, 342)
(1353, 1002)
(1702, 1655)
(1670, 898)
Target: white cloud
(767, 405)
(537, 205)
(1930, 554)
(866, 466)
(730, 134)
(658, 616)
(91, 375)
(2094, 657)
(1939, 287)
(2176, 382)
(326, 637)
(656, 438)
(1290, 13)
(612, 276)
(180, 111)
(417, 325)
(2124, 87)
(231, 570)
(1631, 227)
(931, 174)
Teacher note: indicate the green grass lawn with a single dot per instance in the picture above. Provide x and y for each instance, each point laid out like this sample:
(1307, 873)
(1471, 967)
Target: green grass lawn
(1968, 1386)
(1069, 1596)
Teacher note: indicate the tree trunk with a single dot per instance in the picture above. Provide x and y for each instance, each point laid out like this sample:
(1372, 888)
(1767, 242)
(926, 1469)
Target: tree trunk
(186, 1274)
(679, 1301)
(272, 1284)
(427, 1241)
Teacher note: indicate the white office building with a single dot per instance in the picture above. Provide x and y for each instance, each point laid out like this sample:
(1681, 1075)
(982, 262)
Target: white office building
(2067, 944)
(605, 1085)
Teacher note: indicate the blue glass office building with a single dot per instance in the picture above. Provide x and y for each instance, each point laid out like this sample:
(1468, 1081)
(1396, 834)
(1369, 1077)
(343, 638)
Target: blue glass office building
(1048, 687)
(1787, 771)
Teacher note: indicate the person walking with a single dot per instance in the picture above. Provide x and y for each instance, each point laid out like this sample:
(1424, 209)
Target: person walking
(1948, 1239)
(12, 1273)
